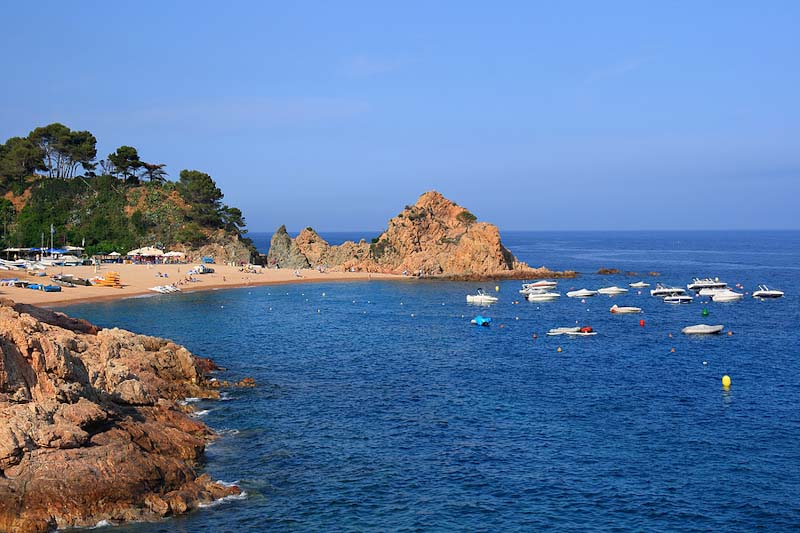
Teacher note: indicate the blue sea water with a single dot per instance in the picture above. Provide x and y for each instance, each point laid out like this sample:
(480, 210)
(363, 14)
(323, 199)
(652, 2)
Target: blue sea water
(380, 408)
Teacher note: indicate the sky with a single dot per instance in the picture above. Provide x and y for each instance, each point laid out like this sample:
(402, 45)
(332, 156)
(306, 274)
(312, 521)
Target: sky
(533, 115)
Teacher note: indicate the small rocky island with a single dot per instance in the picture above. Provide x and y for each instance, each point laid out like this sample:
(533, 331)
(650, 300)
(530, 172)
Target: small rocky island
(91, 427)
(433, 238)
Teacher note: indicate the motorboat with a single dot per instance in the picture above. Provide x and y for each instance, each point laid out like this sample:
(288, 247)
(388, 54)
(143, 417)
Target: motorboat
(702, 329)
(726, 296)
(481, 298)
(562, 331)
(765, 292)
(639, 285)
(611, 291)
(543, 296)
(711, 291)
(538, 286)
(678, 299)
(481, 321)
(662, 290)
(581, 293)
(706, 283)
(624, 310)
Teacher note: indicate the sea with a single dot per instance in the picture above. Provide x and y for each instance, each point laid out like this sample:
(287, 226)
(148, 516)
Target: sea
(380, 407)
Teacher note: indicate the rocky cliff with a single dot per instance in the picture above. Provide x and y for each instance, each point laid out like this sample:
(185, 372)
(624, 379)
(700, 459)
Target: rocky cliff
(90, 428)
(434, 237)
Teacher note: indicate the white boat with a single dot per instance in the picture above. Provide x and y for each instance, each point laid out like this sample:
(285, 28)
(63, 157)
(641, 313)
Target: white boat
(678, 299)
(726, 296)
(481, 298)
(538, 286)
(581, 333)
(662, 290)
(765, 292)
(543, 296)
(711, 291)
(624, 310)
(562, 331)
(581, 293)
(702, 329)
(706, 283)
(612, 290)
(639, 285)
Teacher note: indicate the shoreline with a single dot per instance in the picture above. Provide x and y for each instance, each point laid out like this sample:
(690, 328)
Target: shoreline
(137, 279)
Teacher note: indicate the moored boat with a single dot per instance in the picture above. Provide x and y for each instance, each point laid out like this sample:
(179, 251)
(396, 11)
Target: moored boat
(562, 331)
(612, 290)
(639, 285)
(678, 299)
(765, 292)
(726, 295)
(662, 290)
(706, 283)
(481, 298)
(624, 310)
(581, 293)
(543, 296)
(702, 329)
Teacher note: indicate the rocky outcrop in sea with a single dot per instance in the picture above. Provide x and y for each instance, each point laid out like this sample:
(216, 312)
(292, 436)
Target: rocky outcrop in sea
(434, 237)
(91, 427)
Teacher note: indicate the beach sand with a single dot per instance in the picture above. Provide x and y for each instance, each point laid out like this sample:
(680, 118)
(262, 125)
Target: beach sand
(136, 279)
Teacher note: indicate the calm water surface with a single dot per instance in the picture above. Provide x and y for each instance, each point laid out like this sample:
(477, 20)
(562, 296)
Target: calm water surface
(379, 407)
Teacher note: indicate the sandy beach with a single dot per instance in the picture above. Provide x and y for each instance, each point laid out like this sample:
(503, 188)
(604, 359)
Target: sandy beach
(137, 279)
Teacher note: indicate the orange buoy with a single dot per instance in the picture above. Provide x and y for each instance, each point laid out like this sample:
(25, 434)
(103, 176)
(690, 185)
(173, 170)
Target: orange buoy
(641, 323)
(535, 336)
(559, 349)
(672, 350)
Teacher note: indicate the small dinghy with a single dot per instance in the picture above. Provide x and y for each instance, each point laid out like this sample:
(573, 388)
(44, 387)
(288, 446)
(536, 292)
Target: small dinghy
(481, 321)
(581, 293)
(639, 285)
(617, 310)
(726, 295)
(611, 291)
(562, 331)
(585, 331)
(543, 296)
(702, 329)
(765, 292)
(480, 298)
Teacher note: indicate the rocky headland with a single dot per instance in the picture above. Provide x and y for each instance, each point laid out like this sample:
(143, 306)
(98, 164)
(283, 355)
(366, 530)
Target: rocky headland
(433, 238)
(91, 426)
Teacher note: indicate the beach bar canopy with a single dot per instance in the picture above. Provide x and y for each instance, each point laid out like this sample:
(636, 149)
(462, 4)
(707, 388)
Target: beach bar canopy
(147, 251)
(174, 254)
(115, 254)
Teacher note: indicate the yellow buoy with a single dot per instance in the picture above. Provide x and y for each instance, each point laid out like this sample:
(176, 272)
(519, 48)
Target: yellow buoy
(726, 381)
(497, 288)
(559, 349)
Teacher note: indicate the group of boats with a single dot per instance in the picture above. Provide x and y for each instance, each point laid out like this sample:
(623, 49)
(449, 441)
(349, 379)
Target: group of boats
(716, 290)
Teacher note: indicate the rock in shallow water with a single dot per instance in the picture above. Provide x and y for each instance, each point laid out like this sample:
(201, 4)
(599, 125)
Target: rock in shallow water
(90, 428)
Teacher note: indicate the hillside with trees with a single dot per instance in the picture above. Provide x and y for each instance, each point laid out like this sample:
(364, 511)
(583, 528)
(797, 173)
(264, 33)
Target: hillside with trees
(53, 177)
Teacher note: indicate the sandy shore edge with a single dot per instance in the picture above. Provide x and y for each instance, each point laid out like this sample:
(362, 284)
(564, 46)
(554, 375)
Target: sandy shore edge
(137, 279)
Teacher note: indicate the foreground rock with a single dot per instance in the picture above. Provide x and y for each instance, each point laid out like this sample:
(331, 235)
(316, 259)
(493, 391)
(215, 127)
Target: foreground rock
(90, 429)
(434, 237)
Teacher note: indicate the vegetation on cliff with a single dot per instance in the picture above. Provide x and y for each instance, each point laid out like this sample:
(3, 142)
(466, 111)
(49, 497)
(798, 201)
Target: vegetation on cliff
(53, 177)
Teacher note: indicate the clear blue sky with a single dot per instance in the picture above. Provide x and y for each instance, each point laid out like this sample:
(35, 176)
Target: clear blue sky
(534, 115)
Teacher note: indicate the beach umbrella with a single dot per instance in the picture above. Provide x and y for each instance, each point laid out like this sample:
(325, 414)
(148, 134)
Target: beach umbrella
(115, 254)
